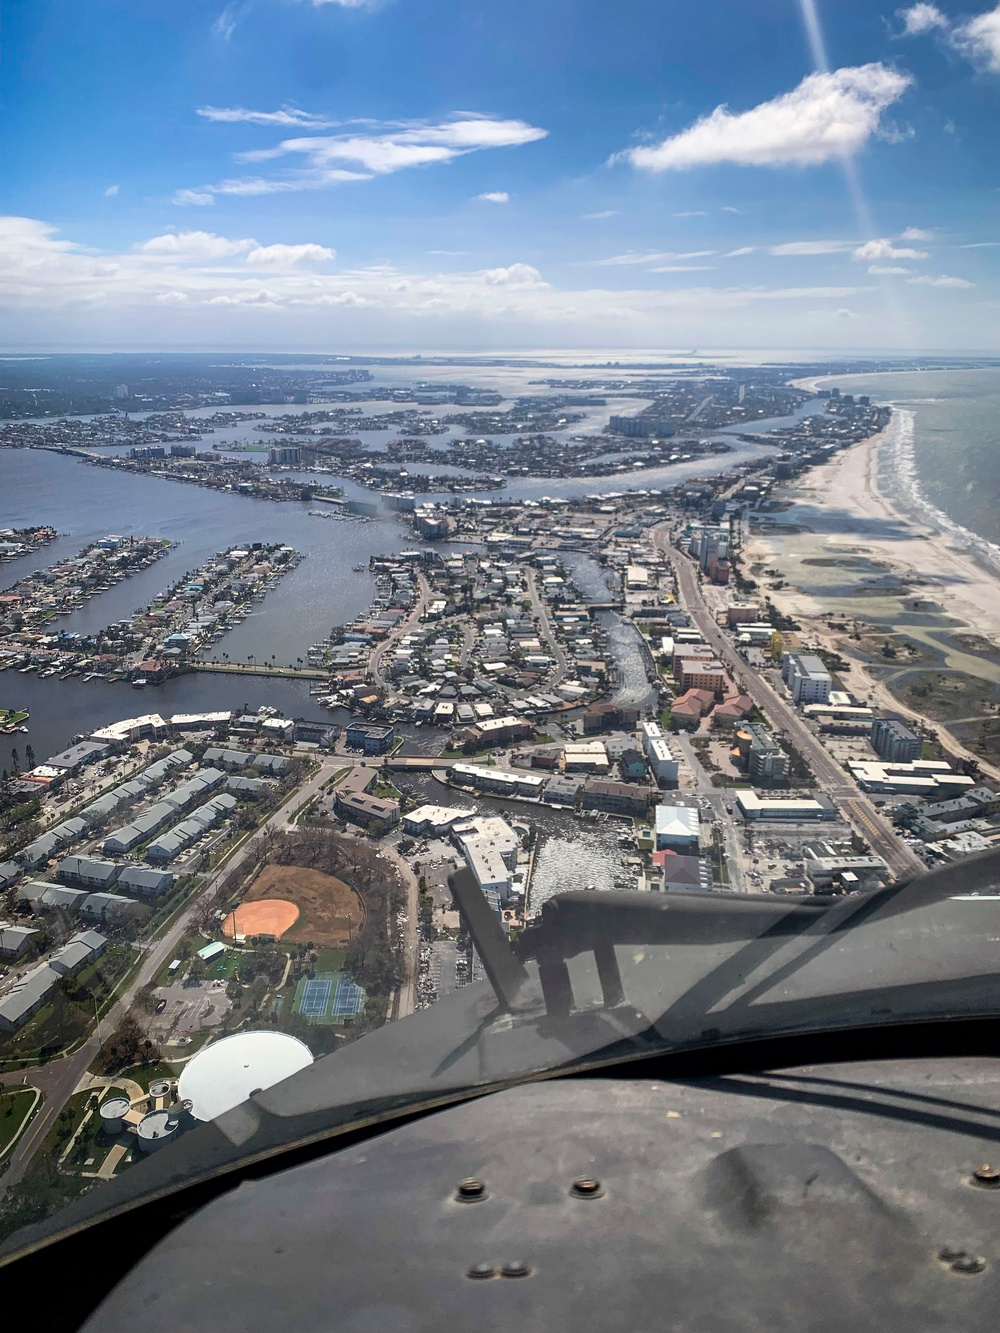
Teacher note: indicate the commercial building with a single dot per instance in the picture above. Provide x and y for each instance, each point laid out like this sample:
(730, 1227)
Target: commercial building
(369, 738)
(760, 755)
(865, 871)
(616, 798)
(586, 757)
(741, 613)
(366, 810)
(923, 777)
(659, 756)
(489, 830)
(131, 729)
(806, 677)
(702, 674)
(488, 866)
(497, 730)
(793, 810)
(676, 826)
(609, 717)
(894, 742)
(434, 819)
(73, 759)
(562, 790)
(523, 785)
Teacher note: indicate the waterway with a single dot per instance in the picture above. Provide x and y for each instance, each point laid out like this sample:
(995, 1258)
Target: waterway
(85, 503)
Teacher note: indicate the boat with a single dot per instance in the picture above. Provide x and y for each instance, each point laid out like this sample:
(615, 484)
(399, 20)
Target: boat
(24, 729)
(359, 569)
(139, 684)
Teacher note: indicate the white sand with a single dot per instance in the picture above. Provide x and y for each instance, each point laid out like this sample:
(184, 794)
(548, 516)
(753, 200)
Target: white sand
(933, 561)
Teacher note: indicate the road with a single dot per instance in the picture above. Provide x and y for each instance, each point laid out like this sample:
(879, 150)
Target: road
(829, 774)
(404, 627)
(540, 611)
(59, 1079)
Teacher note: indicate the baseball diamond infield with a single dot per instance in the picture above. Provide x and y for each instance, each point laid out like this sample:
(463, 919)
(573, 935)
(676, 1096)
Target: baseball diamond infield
(267, 916)
(328, 911)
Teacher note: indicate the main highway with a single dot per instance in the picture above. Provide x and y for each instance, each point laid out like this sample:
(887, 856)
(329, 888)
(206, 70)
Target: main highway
(832, 778)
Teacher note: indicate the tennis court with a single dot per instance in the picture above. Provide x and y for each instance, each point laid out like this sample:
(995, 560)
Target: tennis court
(348, 1000)
(329, 997)
(316, 998)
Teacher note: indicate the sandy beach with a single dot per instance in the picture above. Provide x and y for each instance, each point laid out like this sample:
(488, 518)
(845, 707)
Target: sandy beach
(855, 518)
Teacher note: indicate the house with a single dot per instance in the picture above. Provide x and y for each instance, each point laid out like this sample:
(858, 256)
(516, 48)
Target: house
(677, 826)
(683, 873)
(690, 708)
(366, 810)
(632, 765)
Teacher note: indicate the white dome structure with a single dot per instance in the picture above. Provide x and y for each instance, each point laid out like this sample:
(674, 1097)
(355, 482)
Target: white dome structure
(229, 1070)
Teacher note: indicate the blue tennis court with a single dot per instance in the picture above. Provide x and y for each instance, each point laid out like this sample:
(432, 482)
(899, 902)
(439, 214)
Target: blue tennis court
(348, 1000)
(316, 998)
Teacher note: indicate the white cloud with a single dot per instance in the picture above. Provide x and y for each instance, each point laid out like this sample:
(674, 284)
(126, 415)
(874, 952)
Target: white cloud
(683, 268)
(979, 245)
(286, 116)
(884, 248)
(728, 208)
(56, 289)
(979, 40)
(337, 158)
(941, 280)
(345, 4)
(493, 197)
(916, 234)
(198, 197)
(111, 191)
(828, 116)
(517, 275)
(809, 248)
(976, 38)
(692, 213)
(599, 217)
(651, 257)
(193, 246)
(888, 268)
(283, 255)
(743, 250)
(920, 19)
(225, 25)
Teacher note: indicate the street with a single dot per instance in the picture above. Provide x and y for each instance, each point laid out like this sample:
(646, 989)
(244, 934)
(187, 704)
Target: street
(831, 777)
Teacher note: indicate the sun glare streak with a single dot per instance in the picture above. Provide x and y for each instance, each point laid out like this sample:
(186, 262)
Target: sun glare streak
(895, 315)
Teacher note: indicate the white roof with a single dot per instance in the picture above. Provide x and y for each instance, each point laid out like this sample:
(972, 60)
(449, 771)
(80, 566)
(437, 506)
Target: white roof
(677, 821)
(229, 1070)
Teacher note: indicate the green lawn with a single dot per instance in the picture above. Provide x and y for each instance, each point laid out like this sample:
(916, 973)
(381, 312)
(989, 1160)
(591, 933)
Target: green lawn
(14, 1105)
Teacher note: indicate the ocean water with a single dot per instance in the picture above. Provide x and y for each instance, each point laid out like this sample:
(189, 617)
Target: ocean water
(944, 454)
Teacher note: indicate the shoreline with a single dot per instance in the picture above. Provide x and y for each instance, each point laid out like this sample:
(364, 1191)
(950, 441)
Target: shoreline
(863, 523)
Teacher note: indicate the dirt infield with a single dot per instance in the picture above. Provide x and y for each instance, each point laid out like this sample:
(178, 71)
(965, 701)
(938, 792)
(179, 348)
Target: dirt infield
(330, 911)
(266, 916)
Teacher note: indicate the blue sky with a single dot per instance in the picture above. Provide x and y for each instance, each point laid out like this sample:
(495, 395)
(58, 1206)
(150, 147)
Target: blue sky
(500, 174)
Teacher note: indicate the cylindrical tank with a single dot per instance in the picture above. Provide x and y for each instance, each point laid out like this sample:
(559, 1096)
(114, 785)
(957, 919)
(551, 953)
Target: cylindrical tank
(156, 1129)
(112, 1111)
(160, 1088)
